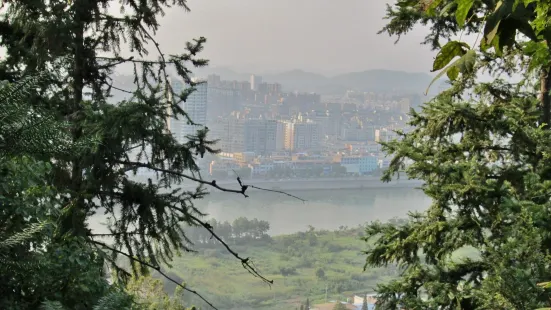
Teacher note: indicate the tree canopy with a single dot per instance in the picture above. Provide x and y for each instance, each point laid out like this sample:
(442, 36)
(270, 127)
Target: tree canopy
(34, 271)
(75, 47)
(482, 149)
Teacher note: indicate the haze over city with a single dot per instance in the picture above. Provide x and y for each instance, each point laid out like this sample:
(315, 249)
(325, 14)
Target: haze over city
(312, 164)
(323, 36)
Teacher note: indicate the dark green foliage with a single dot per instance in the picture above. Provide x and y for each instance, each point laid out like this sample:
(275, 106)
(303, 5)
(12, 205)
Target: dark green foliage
(339, 306)
(364, 303)
(320, 274)
(64, 39)
(485, 163)
(34, 271)
(30, 130)
(488, 192)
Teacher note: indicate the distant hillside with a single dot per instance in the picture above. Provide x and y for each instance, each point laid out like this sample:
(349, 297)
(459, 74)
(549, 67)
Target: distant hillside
(224, 72)
(384, 80)
(364, 81)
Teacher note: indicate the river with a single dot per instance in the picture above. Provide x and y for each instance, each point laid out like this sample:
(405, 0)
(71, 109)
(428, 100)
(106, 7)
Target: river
(323, 209)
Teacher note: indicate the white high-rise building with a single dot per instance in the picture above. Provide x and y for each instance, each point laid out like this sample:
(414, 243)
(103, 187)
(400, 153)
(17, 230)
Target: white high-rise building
(255, 81)
(196, 108)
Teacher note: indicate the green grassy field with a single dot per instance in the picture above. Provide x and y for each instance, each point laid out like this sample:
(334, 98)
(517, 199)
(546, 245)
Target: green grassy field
(293, 262)
(302, 265)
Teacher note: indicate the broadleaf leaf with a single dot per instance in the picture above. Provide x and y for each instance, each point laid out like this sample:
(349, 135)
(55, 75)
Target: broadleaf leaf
(464, 64)
(431, 9)
(463, 8)
(453, 73)
(448, 52)
(491, 35)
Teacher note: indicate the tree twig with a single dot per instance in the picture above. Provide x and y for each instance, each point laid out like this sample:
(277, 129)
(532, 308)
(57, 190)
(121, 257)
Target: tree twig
(183, 175)
(120, 60)
(276, 191)
(245, 262)
(163, 62)
(156, 268)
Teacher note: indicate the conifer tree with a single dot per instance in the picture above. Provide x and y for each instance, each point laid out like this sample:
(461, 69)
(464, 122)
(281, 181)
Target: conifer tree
(26, 130)
(339, 306)
(364, 303)
(482, 150)
(33, 269)
(65, 39)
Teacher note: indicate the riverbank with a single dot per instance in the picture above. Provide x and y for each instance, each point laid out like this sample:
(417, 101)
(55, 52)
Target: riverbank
(295, 184)
(332, 184)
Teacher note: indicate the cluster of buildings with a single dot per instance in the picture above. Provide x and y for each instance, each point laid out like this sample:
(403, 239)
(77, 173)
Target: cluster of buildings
(261, 128)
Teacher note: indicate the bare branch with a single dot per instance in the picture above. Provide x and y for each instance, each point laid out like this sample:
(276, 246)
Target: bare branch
(244, 186)
(276, 191)
(244, 261)
(210, 183)
(156, 268)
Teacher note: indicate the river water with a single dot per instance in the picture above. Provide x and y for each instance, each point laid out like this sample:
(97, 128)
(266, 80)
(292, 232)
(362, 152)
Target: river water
(323, 209)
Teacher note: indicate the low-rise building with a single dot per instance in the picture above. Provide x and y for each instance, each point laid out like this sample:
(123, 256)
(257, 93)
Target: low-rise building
(359, 164)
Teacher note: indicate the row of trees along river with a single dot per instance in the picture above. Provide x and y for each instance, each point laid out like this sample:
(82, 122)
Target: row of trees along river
(240, 231)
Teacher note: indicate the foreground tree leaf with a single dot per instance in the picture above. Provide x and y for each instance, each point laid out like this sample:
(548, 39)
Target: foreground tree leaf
(483, 187)
(465, 65)
(485, 164)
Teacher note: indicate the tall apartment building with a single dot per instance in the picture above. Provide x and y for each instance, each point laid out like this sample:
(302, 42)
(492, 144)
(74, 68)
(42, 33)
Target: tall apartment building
(214, 80)
(280, 136)
(260, 136)
(288, 135)
(196, 108)
(274, 88)
(230, 133)
(306, 135)
(255, 81)
(301, 135)
(221, 102)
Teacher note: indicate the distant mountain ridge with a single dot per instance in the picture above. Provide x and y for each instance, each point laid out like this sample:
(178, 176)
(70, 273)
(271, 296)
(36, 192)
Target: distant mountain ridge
(378, 80)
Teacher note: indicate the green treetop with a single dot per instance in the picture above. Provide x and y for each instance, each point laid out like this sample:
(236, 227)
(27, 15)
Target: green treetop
(78, 44)
(482, 150)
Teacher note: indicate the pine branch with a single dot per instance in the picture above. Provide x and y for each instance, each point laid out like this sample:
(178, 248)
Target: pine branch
(156, 268)
(163, 63)
(121, 60)
(24, 236)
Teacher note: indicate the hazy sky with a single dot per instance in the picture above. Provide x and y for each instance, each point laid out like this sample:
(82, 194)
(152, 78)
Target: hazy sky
(324, 36)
